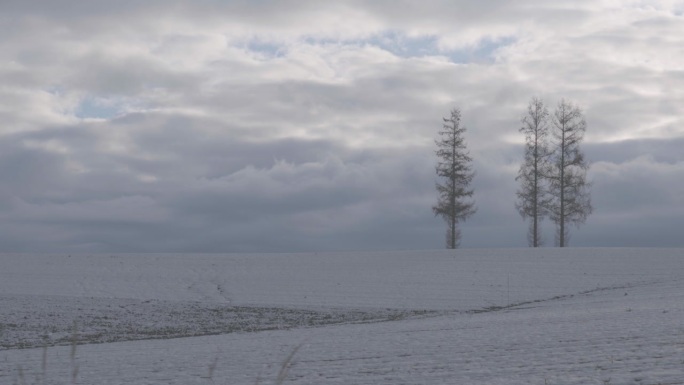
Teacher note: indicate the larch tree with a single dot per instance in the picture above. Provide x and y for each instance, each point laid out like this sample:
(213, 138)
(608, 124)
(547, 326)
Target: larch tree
(455, 171)
(569, 190)
(532, 195)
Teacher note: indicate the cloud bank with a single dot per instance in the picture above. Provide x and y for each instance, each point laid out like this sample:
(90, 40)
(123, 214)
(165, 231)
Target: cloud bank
(250, 126)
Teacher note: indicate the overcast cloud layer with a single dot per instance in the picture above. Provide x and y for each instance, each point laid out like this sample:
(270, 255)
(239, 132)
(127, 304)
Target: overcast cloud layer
(231, 126)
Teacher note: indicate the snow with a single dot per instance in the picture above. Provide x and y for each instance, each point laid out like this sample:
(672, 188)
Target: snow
(518, 316)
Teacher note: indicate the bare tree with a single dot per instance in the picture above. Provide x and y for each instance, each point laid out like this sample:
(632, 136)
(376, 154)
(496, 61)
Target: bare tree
(453, 166)
(570, 192)
(533, 195)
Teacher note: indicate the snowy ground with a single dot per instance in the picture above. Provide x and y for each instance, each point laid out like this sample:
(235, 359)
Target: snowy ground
(573, 316)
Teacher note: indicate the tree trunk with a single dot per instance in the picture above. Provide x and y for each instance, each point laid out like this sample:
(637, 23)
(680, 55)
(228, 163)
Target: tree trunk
(561, 236)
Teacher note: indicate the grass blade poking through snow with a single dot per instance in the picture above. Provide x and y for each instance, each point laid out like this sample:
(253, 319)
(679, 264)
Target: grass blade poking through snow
(74, 344)
(287, 364)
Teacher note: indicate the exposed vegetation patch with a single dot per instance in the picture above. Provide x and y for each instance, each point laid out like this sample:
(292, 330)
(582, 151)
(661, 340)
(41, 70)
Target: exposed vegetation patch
(36, 321)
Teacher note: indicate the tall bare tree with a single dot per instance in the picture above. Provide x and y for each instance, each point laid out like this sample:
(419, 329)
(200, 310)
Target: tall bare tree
(533, 196)
(453, 166)
(570, 192)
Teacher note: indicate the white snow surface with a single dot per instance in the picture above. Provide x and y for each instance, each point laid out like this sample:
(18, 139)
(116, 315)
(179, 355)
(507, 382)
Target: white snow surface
(509, 316)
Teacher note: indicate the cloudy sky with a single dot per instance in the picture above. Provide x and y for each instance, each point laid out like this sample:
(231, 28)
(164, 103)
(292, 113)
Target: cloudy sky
(284, 126)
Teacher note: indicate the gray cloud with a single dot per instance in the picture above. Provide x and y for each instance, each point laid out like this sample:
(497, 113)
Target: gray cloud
(298, 126)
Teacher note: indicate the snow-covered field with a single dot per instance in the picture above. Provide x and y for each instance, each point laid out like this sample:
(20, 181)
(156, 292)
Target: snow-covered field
(519, 316)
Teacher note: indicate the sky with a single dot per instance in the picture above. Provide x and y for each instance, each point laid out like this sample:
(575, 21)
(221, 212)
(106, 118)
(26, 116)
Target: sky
(296, 126)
